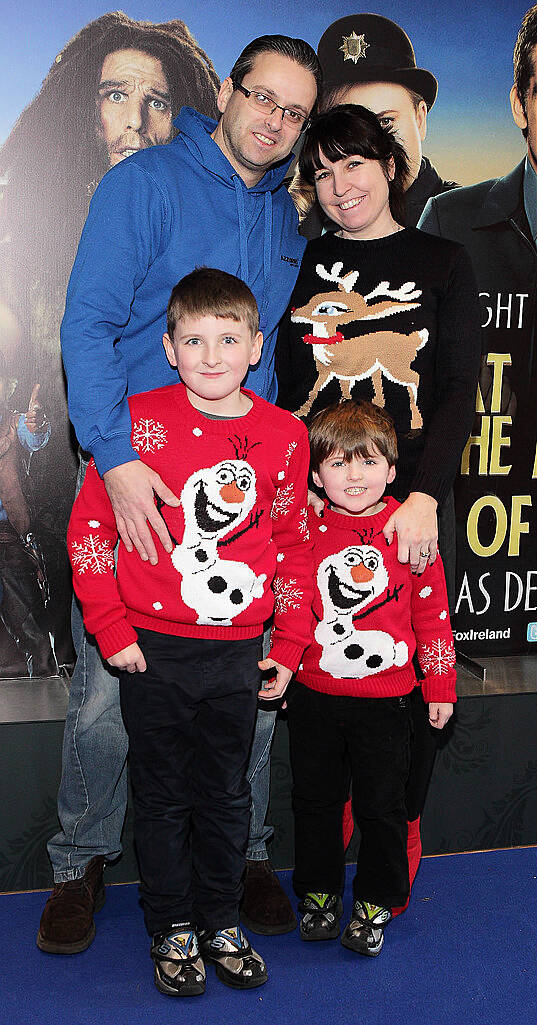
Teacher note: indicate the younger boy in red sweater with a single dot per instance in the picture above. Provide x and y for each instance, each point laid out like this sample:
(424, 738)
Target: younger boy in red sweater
(349, 711)
(186, 633)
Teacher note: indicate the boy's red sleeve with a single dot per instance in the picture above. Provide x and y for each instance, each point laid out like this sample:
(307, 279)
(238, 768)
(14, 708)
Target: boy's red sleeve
(293, 582)
(434, 639)
(91, 539)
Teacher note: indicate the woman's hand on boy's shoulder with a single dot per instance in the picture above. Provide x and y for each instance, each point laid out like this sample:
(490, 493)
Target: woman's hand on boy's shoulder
(416, 525)
(129, 659)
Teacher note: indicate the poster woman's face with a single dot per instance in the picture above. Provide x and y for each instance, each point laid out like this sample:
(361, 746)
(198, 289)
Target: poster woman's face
(133, 104)
(395, 109)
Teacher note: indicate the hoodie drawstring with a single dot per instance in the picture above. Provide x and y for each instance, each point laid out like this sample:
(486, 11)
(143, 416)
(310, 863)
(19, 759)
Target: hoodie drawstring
(243, 242)
(267, 251)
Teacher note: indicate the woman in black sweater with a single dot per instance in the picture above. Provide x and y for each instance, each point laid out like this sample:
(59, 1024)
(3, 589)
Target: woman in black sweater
(388, 314)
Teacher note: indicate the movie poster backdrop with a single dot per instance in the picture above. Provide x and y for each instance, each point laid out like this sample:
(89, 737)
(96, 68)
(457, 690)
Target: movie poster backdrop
(55, 147)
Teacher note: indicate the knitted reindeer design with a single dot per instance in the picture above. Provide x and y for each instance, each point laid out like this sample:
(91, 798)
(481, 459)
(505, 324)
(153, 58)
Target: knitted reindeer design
(349, 360)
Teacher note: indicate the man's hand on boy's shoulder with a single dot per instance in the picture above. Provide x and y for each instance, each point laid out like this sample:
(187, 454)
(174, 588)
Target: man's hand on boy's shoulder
(440, 713)
(275, 686)
(129, 659)
(130, 487)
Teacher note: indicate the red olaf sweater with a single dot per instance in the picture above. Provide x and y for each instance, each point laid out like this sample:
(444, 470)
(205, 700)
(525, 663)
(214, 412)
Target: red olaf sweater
(241, 543)
(372, 614)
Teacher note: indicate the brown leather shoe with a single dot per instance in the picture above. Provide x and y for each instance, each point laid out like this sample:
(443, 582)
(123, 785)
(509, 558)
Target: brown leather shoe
(266, 909)
(67, 925)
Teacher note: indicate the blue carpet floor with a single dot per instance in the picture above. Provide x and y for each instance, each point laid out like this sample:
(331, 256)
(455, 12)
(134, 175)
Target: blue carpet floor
(463, 954)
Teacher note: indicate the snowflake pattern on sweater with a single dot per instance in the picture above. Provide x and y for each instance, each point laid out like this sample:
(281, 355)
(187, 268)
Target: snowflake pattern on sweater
(148, 435)
(93, 554)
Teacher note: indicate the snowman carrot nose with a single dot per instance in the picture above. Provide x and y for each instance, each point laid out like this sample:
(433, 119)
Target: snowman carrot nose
(360, 574)
(231, 493)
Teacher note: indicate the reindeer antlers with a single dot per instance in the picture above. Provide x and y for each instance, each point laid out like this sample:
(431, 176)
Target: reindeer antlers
(346, 284)
(405, 293)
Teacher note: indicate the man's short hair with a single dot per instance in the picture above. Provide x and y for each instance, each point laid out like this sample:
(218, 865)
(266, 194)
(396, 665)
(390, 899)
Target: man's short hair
(208, 292)
(523, 57)
(285, 46)
(351, 428)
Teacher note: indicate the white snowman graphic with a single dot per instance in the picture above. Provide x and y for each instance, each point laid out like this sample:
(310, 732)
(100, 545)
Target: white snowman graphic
(215, 500)
(348, 581)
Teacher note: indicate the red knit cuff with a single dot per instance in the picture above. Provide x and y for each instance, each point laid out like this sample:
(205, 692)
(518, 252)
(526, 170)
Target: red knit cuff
(115, 637)
(286, 653)
(439, 688)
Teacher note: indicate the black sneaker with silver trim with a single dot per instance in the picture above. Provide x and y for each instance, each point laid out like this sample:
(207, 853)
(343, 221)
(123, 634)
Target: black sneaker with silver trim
(365, 931)
(235, 962)
(179, 967)
(321, 913)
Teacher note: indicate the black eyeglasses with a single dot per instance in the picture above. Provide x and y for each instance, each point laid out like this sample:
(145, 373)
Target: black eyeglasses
(267, 105)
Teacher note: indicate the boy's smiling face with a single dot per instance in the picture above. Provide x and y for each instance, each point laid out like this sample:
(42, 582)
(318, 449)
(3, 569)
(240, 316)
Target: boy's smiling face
(212, 356)
(355, 486)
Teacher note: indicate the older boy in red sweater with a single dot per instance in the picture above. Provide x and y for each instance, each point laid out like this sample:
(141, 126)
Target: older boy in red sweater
(186, 633)
(349, 711)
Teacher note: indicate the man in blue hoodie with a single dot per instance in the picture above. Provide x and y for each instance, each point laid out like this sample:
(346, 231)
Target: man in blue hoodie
(213, 196)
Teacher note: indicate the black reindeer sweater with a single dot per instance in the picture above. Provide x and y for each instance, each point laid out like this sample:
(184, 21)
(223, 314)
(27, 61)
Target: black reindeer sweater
(395, 320)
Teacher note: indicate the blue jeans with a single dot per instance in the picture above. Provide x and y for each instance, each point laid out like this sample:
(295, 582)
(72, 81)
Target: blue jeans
(258, 775)
(92, 798)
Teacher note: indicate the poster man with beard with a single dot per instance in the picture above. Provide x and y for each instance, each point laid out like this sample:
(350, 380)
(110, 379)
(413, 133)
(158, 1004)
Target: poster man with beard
(113, 90)
(497, 221)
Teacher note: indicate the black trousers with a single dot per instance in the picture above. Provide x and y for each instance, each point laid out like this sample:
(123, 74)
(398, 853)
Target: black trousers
(336, 740)
(423, 753)
(190, 719)
(425, 737)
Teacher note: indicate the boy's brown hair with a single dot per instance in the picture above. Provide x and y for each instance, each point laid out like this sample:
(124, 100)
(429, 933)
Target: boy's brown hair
(208, 292)
(351, 428)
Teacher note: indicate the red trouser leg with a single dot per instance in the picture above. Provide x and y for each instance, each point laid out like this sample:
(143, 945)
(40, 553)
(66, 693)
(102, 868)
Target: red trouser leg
(414, 855)
(413, 847)
(348, 823)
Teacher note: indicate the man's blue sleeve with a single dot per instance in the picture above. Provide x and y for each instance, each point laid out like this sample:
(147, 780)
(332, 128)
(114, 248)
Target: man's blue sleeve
(121, 236)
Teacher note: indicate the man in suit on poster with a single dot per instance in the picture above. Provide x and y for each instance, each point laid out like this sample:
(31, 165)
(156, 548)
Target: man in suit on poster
(497, 221)
(214, 196)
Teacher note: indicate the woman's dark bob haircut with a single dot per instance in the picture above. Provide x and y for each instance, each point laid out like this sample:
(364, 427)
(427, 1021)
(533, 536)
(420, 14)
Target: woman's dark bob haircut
(351, 130)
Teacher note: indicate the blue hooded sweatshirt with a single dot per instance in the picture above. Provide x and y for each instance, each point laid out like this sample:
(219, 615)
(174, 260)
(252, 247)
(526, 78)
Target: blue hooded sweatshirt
(155, 217)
